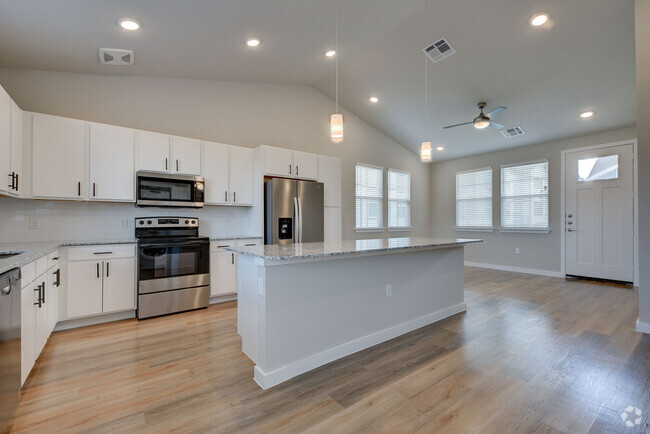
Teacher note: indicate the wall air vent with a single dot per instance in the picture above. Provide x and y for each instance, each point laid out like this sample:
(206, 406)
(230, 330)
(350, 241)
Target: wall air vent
(512, 132)
(439, 50)
(115, 56)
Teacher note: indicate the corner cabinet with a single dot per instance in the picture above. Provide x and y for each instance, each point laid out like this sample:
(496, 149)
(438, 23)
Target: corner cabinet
(228, 174)
(111, 167)
(58, 157)
(289, 164)
(11, 144)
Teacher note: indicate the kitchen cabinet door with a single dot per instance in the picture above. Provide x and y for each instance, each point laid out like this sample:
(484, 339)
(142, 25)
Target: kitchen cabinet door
(223, 273)
(53, 284)
(119, 285)
(58, 156)
(306, 165)
(111, 166)
(152, 151)
(278, 161)
(5, 141)
(42, 330)
(84, 288)
(27, 330)
(17, 147)
(241, 176)
(186, 156)
(215, 173)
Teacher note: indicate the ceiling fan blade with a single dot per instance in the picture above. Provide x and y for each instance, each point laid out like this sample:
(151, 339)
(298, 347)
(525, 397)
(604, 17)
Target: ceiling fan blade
(458, 125)
(496, 111)
(496, 125)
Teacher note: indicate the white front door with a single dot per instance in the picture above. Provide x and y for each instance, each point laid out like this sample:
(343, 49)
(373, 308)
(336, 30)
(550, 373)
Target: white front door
(599, 220)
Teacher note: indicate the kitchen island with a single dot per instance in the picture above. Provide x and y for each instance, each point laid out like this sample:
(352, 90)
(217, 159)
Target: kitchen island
(301, 306)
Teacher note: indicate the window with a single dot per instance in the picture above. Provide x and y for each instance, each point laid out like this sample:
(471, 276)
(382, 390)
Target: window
(370, 200)
(474, 199)
(598, 168)
(399, 199)
(524, 196)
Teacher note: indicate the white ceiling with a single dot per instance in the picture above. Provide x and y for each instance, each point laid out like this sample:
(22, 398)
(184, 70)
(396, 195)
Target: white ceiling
(584, 59)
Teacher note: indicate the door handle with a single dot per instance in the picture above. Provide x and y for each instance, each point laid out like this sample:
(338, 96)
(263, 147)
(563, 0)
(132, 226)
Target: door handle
(234, 196)
(57, 273)
(16, 182)
(232, 258)
(39, 303)
(12, 175)
(108, 265)
(102, 253)
(225, 196)
(98, 270)
(289, 169)
(79, 188)
(571, 230)
(43, 292)
(166, 165)
(177, 165)
(297, 169)
(94, 189)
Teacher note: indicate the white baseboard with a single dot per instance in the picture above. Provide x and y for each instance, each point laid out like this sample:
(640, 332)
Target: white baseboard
(223, 298)
(516, 269)
(277, 376)
(92, 320)
(642, 327)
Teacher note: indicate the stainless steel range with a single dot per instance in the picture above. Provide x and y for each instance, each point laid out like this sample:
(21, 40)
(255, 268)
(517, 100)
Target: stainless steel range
(173, 265)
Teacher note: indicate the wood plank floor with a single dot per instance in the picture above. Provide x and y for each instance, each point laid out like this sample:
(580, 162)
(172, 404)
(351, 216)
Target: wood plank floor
(531, 354)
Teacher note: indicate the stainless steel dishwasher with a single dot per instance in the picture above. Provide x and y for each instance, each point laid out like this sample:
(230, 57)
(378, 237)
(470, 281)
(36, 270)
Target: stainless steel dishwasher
(9, 345)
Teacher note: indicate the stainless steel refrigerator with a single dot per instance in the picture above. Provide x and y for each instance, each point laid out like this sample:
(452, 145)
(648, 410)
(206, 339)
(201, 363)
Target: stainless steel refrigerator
(293, 211)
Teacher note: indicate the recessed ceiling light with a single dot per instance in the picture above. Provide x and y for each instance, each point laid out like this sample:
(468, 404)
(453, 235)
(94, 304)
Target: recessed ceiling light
(129, 24)
(374, 99)
(586, 114)
(330, 53)
(538, 20)
(253, 42)
(440, 148)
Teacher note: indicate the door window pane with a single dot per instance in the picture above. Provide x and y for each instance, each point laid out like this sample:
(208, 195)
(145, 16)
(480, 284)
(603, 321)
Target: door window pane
(598, 168)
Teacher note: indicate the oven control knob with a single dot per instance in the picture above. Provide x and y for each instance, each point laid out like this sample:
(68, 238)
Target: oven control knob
(187, 221)
(193, 221)
(141, 222)
(148, 222)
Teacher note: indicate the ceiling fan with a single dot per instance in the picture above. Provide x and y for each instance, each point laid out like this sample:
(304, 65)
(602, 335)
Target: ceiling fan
(483, 120)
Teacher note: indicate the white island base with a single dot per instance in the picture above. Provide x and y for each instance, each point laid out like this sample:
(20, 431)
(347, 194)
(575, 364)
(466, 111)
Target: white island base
(297, 312)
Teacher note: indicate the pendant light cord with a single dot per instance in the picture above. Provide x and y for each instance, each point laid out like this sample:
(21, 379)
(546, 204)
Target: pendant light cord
(336, 27)
(426, 62)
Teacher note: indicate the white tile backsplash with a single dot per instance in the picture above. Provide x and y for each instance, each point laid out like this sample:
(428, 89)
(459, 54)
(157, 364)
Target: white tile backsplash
(69, 220)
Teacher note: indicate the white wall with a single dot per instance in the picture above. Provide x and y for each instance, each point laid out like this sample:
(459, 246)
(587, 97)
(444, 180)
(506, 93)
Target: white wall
(642, 18)
(537, 251)
(243, 114)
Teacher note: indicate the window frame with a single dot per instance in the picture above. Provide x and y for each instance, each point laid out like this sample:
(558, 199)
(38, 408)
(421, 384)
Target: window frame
(380, 228)
(487, 228)
(389, 200)
(525, 229)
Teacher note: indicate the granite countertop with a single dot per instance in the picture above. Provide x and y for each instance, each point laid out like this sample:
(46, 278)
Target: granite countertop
(243, 237)
(29, 252)
(285, 252)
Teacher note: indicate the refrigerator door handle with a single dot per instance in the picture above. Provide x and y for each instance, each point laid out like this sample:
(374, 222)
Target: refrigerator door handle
(300, 219)
(296, 216)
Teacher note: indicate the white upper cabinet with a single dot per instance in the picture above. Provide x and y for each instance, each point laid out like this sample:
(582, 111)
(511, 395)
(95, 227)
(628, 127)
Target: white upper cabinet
(278, 161)
(306, 165)
(6, 179)
(215, 173)
(329, 173)
(152, 150)
(111, 166)
(186, 156)
(58, 157)
(289, 164)
(241, 176)
(16, 147)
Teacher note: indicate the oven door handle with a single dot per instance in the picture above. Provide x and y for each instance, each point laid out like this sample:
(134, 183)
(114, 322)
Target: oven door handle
(175, 244)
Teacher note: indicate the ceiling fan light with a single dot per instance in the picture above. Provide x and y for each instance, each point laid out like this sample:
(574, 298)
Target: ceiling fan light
(480, 123)
(425, 152)
(336, 128)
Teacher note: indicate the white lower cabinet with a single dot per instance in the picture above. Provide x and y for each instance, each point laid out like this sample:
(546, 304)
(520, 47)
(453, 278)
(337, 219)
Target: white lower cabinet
(101, 279)
(223, 265)
(27, 330)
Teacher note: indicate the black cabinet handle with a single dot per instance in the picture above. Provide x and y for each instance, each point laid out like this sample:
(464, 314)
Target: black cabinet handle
(297, 168)
(43, 292)
(234, 196)
(289, 169)
(108, 264)
(232, 258)
(102, 253)
(225, 196)
(166, 166)
(98, 270)
(16, 182)
(177, 165)
(79, 188)
(94, 189)
(57, 273)
(39, 303)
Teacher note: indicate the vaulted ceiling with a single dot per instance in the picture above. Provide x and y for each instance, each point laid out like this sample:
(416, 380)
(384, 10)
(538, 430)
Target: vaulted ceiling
(582, 59)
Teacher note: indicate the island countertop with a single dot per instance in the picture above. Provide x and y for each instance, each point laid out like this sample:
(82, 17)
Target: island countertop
(299, 251)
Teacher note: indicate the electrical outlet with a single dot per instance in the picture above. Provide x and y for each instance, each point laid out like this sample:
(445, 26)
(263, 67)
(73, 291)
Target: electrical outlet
(125, 223)
(34, 224)
(516, 250)
(389, 290)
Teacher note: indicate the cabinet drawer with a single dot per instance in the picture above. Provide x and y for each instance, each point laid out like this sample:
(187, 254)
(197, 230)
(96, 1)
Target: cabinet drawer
(41, 265)
(249, 243)
(218, 246)
(53, 259)
(27, 274)
(109, 251)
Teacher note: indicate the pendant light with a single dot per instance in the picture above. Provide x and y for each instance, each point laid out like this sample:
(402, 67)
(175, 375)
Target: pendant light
(336, 120)
(425, 148)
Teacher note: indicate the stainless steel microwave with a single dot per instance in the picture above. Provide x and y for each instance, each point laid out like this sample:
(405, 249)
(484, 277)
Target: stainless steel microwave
(167, 190)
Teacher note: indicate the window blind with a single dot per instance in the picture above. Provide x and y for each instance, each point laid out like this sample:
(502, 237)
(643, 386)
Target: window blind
(369, 197)
(474, 198)
(399, 199)
(524, 196)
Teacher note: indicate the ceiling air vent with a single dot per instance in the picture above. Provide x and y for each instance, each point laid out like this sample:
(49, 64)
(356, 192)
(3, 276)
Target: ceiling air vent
(512, 132)
(115, 56)
(439, 50)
